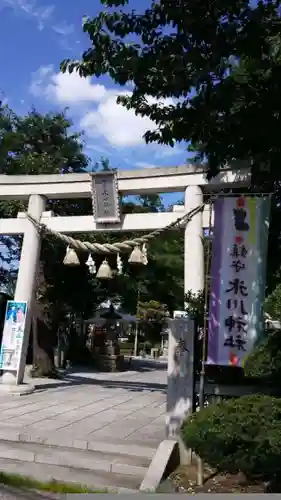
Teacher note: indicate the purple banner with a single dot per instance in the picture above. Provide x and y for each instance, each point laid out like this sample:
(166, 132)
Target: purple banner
(237, 278)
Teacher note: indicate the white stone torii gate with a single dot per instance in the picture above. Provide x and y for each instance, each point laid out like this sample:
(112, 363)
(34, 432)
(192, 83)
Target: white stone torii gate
(37, 189)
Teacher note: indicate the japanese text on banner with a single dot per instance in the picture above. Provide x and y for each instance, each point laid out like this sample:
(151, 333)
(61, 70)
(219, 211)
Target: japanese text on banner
(236, 294)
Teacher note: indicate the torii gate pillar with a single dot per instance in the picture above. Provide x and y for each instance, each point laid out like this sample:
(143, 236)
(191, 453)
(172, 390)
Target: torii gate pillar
(181, 331)
(193, 243)
(26, 281)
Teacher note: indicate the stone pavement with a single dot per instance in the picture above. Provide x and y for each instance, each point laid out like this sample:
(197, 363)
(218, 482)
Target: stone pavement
(126, 406)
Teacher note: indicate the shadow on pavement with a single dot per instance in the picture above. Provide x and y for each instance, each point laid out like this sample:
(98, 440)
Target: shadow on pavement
(76, 380)
(72, 378)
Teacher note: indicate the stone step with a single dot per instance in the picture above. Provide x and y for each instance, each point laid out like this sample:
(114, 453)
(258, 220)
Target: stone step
(113, 483)
(72, 457)
(104, 464)
(106, 445)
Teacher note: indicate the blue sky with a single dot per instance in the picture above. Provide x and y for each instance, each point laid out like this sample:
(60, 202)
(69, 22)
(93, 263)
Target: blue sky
(35, 36)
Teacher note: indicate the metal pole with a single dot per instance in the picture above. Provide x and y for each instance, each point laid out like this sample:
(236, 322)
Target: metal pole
(136, 341)
(137, 325)
(200, 470)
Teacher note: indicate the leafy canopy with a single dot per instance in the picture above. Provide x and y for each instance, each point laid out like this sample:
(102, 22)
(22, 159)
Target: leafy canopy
(35, 144)
(207, 73)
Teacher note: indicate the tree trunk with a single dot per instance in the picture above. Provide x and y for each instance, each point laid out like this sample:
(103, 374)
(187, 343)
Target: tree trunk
(43, 354)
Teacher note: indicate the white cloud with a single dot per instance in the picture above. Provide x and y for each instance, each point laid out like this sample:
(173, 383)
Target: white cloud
(73, 89)
(121, 127)
(30, 8)
(102, 117)
(42, 15)
(167, 151)
(143, 164)
(63, 28)
(38, 79)
(64, 88)
(98, 149)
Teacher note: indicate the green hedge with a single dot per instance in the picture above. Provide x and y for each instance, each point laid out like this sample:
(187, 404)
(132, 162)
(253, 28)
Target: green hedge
(264, 362)
(242, 434)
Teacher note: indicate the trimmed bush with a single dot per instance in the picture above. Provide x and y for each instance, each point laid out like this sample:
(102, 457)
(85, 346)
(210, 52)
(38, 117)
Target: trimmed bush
(238, 435)
(265, 360)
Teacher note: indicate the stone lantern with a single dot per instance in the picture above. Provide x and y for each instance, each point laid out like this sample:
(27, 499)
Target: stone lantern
(111, 360)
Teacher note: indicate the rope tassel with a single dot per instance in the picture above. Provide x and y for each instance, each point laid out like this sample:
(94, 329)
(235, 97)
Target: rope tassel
(91, 265)
(144, 255)
(119, 264)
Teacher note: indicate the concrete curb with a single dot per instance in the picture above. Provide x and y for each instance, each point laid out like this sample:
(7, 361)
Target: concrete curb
(9, 434)
(165, 461)
(67, 457)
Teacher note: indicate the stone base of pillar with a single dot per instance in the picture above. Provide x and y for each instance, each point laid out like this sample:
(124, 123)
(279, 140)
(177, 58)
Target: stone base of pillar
(8, 385)
(16, 390)
(164, 354)
(110, 363)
